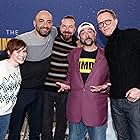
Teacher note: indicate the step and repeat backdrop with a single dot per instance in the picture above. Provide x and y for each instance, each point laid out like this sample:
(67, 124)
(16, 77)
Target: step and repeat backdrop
(16, 16)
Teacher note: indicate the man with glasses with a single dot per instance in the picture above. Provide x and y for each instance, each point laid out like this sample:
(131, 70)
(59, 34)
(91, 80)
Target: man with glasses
(123, 54)
(105, 22)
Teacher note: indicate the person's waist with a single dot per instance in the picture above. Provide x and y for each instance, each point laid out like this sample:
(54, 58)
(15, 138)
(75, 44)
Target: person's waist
(51, 88)
(32, 86)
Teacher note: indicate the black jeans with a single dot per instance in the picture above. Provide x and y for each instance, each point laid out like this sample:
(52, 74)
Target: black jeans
(126, 118)
(30, 101)
(51, 100)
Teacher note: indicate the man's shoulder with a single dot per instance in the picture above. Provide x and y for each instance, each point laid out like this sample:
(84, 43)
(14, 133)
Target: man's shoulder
(75, 51)
(26, 35)
(130, 32)
(54, 31)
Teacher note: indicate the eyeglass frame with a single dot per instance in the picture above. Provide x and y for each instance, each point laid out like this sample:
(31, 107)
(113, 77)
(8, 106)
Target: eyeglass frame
(104, 23)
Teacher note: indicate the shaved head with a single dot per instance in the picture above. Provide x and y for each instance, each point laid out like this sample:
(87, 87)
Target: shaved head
(43, 12)
(43, 23)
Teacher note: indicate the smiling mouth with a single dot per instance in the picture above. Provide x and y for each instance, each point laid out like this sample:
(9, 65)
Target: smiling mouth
(22, 58)
(106, 29)
(44, 30)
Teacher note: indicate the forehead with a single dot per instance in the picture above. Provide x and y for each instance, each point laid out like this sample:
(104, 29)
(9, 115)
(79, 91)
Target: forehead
(44, 16)
(67, 21)
(104, 16)
(87, 29)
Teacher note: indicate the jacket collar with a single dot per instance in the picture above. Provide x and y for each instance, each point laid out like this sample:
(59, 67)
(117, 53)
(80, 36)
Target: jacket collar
(114, 35)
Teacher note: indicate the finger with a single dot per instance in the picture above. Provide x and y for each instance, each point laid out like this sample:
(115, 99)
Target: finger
(130, 99)
(103, 91)
(61, 89)
(127, 94)
(58, 83)
(108, 84)
(93, 90)
(104, 87)
(135, 100)
(93, 87)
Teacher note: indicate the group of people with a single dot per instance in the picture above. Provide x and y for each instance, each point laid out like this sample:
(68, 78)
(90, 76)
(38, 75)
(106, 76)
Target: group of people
(52, 67)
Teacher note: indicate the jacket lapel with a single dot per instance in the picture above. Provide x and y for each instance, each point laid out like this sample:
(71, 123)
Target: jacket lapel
(77, 60)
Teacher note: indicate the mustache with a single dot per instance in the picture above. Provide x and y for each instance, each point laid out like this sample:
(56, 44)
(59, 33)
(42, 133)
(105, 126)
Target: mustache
(84, 41)
(89, 38)
(66, 32)
(44, 28)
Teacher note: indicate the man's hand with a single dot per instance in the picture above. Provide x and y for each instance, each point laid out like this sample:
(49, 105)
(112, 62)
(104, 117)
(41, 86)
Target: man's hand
(133, 94)
(100, 88)
(63, 87)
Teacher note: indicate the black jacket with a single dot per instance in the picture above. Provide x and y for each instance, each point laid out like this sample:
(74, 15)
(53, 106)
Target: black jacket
(123, 55)
(3, 55)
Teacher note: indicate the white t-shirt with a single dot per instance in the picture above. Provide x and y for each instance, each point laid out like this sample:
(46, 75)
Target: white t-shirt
(10, 80)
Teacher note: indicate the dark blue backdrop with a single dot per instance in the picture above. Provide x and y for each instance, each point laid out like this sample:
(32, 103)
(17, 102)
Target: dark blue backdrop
(16, 15)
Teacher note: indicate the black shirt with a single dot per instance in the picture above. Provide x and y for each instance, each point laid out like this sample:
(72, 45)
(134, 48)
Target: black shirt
(123, 55)
(34, 73)
(86, 62)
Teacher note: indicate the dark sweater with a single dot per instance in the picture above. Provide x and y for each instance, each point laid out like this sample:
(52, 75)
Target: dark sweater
(123, 55)
(34, 73)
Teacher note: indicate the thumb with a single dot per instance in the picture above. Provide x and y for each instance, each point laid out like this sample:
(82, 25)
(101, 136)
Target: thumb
(127, 93)
(58, 83)
(108, 84)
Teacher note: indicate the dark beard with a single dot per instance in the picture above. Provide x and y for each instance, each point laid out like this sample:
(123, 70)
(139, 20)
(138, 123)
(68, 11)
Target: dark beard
(43, 35)
(65, 37)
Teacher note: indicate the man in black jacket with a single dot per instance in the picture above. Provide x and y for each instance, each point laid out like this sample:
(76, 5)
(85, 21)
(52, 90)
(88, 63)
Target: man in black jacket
(123, 55)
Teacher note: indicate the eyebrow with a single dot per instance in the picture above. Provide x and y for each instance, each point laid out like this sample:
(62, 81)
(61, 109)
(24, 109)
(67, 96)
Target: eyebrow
(44, 19)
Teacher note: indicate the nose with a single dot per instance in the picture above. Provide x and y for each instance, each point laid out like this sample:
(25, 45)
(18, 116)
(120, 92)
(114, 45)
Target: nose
(66, 29)
(45, 24)
(104, 25)
(86, 34)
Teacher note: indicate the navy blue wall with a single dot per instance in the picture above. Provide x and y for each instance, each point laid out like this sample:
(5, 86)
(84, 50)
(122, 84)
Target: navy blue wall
(16, 15)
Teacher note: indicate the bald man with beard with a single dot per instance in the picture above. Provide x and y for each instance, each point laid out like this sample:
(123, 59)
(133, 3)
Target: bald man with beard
(39, 47)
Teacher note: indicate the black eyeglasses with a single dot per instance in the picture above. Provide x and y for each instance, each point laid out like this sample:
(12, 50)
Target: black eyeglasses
(106, 22)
